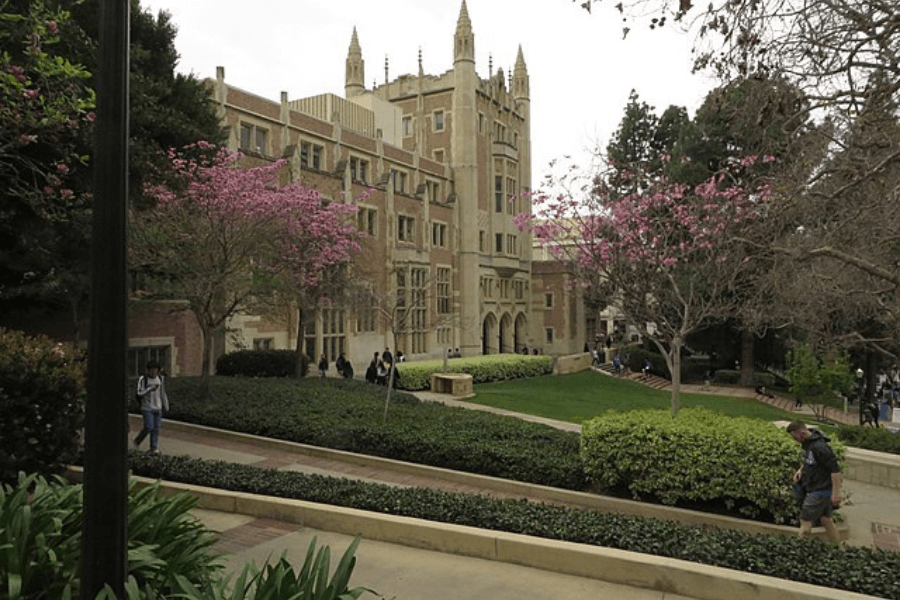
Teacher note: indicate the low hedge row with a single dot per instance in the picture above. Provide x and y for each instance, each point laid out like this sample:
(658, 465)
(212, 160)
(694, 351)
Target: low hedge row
(494, 367)
(698, 456)
(860, 570)
(348, 415)
(879, 440)
(260, 363)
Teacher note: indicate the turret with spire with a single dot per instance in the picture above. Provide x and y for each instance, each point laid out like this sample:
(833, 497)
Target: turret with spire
(520, 87)
(464, 46)
(356, 69)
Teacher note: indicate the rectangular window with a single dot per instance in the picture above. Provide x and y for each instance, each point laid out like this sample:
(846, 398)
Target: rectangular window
(246, 135)
(548, 334)
(481, 241)
(406, 228)
(418, 322)
(511, 245)
(519, 286)
(358, 169)
(406, 124)
(366, 220)
(304, 153)
(498, 243)
(138, 357)
(480, 122)
(263, 343)
(261, 139)
(365, 320)
(498, 193)
(511, 192)
(439, 235)
(432, 190)
(318, 153)
(438, 120)
(399, 181)
(443, 290)
(548, 300)
(438, 155)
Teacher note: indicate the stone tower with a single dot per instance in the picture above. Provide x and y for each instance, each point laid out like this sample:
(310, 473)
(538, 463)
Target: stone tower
(521, 94)
(465, 167)
(356, 69)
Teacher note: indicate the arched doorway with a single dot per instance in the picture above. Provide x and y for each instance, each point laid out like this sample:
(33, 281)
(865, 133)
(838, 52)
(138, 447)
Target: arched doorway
(488, 334)
(505, 341)
(521, 329)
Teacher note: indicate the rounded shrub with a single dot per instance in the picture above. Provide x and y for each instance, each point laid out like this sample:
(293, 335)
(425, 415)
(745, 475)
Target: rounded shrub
(260, 363)
(42, 396)
(699, 457)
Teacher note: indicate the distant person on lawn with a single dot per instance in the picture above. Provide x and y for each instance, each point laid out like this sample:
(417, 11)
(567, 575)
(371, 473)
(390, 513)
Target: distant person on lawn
(820, 480)
(151, 391)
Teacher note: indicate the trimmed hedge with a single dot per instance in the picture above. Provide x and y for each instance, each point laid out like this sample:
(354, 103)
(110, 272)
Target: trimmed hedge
(260, 363)
(699, 456)
(861, 570)
(42, 397)
(416, 376)
(879, 440)
(348, 415)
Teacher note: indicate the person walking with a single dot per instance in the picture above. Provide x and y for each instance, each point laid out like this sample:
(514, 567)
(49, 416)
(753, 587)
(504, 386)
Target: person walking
(151, 393)
(820, 480)
(323, 366)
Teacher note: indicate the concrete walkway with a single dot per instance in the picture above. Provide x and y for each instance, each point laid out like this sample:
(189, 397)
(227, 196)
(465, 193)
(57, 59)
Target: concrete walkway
(403, 572)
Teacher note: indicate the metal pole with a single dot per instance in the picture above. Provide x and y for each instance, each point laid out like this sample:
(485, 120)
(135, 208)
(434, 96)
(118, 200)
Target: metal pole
(104, 550)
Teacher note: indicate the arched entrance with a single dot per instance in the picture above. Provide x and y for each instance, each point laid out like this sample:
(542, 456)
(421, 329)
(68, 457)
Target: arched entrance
(505, 341)
(488, 334)
(521, 329)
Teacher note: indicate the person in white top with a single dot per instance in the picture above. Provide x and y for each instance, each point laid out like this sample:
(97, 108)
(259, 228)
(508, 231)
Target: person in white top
(151, 392)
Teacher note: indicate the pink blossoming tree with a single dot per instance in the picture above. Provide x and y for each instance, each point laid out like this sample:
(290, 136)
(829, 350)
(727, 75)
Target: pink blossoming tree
(671, 257)
(221, 235)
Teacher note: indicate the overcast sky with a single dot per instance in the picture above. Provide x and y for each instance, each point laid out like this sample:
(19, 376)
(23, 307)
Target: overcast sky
(581, 70)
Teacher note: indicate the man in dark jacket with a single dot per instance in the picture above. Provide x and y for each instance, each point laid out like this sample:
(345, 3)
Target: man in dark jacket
(820, 478)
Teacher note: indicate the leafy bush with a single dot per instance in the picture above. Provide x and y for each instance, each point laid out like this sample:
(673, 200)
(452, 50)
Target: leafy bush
(483, 369)
(879, 440)
(260, 363)
(41, 539)
(42, 396)
(697, 456)
(638, 355)
(861, 570)
(348, 415)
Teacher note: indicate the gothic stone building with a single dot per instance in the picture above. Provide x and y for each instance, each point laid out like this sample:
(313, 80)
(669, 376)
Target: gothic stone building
(437, 165)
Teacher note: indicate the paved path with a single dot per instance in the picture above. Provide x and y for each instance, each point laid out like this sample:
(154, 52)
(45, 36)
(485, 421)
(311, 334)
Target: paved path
(396, 571)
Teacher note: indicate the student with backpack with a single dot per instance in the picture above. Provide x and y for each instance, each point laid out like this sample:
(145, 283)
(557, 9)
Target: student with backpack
(151, 395)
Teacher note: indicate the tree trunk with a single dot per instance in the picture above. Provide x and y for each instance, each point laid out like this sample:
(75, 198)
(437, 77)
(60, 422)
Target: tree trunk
(206, 363)
(748, 341)
(674, 359)
(298, 364)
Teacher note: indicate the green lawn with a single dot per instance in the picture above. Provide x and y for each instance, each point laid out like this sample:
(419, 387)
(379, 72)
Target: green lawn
(580, 396)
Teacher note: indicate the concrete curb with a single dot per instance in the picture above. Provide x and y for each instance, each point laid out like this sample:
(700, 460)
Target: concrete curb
(532, 491)
(666, 575)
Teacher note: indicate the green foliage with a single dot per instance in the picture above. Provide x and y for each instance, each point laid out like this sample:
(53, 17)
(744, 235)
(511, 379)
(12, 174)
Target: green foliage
(45, 126)
(347, 415)
(819, 379)
(42, 396)
(260, 363)
(280, 581)
(495, 367)
(862, 570)
(41, 538)
(697, 456)
(879, 440)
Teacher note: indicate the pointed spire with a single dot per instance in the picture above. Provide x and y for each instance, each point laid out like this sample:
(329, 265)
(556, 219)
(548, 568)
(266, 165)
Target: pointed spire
(421, 72)
(354, 82)
(464, 40)
(520, 86)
